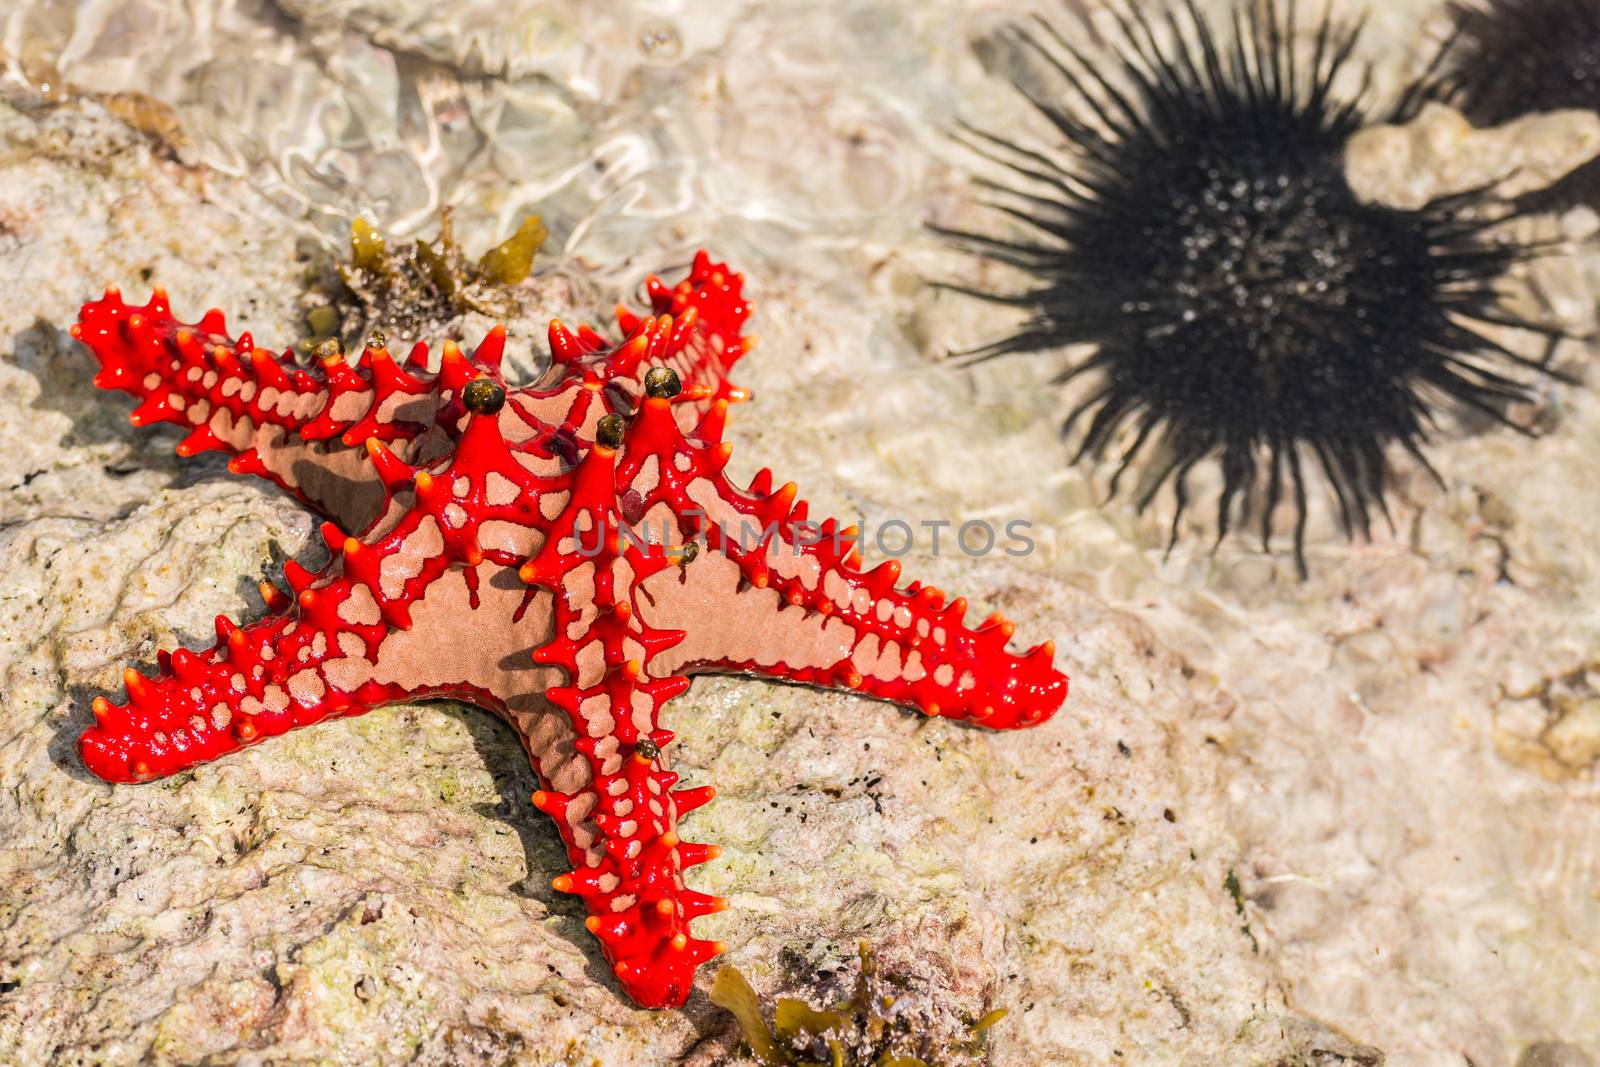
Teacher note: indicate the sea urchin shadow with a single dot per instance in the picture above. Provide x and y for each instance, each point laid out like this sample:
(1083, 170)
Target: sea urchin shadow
(1510, 58)
(1197, 229)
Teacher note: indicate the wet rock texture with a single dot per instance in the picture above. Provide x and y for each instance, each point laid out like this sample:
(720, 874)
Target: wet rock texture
(1351, 820)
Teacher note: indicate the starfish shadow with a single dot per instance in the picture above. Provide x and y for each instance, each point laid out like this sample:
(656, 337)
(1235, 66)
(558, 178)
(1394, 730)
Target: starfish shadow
(65, 372)
(62, 748)
(543, 851)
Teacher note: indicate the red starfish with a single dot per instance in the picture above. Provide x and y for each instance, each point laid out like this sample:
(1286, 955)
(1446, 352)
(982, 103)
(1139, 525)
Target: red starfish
(564, 555)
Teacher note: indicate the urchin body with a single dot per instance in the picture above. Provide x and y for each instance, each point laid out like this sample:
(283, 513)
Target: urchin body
(1244, 305)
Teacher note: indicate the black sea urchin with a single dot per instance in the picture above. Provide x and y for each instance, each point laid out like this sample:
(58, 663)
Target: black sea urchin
(1242, 302)
(1511, 58)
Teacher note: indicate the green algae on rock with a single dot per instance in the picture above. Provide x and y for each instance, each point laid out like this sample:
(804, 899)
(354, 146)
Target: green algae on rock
(401, 287)
(866, 1029)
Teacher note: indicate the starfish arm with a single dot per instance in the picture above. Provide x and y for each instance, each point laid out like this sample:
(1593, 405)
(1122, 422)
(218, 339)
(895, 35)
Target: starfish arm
(621, 826)
(855, 631)
(424, 604)
(301, 427)
(693, 330)
(791, 601)
(255, 682)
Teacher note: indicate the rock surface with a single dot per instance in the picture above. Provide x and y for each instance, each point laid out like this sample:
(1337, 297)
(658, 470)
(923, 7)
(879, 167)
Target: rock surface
(1326, 822)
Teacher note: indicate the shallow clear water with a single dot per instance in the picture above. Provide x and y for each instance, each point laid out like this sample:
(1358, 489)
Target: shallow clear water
(1427, 883)
(598, 120)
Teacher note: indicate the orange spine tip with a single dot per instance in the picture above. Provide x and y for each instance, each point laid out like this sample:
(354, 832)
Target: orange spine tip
(687, 800)
(561, 883)
(552, 804)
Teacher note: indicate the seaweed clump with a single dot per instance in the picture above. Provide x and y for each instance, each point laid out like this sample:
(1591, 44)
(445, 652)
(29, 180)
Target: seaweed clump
(877, 1026)
(404, 288)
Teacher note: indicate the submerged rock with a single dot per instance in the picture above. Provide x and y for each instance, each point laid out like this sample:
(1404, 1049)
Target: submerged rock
(1341, 821)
